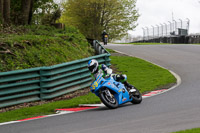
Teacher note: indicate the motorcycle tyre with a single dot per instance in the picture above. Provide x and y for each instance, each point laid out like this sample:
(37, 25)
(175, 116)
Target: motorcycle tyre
(105, 102)
(137, 100)
(105, 41)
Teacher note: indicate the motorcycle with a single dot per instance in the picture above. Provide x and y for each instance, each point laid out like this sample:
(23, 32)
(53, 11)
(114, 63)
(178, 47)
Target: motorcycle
(105, 39)
(113, 93)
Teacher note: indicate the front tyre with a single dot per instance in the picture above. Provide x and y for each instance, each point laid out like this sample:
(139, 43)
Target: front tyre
(105, 41)
(136, 96)
(108, 98)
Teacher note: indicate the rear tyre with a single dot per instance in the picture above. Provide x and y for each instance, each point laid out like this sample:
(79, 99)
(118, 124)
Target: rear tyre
(136, 96)
(109, 101)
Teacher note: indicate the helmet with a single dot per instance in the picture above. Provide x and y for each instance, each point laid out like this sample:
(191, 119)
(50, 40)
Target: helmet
(93, 65)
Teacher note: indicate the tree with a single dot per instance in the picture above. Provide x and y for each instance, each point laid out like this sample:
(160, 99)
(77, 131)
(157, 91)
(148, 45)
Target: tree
(5, 11)
(1, 11)
(48, 13)
(25, 12)
(91, 17)
(50, 18)
(22, 12)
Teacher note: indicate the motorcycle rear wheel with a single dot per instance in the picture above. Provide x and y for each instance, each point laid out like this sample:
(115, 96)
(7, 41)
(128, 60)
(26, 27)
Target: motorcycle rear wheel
(111, 103)
(136, 96)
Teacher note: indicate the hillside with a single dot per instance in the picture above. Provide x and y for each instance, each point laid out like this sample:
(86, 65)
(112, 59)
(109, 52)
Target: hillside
(35, 46)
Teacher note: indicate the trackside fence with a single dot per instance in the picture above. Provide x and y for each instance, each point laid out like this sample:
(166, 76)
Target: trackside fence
(44, 83)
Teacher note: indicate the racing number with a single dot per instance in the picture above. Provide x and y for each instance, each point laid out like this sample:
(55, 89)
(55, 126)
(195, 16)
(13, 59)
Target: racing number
(94, 85)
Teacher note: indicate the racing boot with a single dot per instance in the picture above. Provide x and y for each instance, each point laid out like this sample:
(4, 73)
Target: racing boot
(129, 87)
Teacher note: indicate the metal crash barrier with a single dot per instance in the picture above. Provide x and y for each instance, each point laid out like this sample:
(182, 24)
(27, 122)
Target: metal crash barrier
(44, 83)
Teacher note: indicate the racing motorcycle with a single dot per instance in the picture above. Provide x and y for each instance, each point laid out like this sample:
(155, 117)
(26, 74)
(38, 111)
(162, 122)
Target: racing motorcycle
(113, 93)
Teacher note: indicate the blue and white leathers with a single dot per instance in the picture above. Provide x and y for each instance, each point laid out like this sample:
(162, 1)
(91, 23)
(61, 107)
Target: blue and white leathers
(120, 92)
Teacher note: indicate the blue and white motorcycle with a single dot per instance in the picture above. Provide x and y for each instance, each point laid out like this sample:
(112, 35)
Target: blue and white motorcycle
(113, 93)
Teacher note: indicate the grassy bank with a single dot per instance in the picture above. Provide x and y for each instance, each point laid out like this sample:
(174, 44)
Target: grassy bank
(144, 75)
(35, 46)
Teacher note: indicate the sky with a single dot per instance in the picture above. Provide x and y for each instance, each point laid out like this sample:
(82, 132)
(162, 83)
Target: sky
(154, 12)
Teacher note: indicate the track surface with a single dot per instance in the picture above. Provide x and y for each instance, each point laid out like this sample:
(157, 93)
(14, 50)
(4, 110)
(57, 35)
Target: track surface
(174, 110)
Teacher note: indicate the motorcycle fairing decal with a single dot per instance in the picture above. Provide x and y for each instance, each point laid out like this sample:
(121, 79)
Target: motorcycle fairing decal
(94, 85)
(124, 99)
(99, 77)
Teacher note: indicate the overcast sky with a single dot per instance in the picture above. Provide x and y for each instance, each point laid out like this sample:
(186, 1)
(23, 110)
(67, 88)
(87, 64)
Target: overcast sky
(160, 11)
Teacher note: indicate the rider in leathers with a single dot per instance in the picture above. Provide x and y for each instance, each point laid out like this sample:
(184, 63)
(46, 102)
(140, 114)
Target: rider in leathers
(94, 68)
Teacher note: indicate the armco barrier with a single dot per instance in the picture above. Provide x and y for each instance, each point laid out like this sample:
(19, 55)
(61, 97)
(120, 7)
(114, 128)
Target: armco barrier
(43, 83)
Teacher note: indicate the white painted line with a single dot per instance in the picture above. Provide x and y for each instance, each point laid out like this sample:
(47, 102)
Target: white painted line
(10, 122)
(62, 112)
(92, 105)
(143, 97)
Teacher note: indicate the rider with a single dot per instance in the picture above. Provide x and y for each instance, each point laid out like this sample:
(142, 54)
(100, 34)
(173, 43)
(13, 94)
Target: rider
(104, 34)
(94, 68)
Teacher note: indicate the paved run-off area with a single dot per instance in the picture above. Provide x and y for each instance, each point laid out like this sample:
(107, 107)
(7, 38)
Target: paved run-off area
(171, 111)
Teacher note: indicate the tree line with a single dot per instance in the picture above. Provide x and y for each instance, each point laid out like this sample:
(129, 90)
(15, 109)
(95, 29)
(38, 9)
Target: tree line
(22, 12)
(91, 17)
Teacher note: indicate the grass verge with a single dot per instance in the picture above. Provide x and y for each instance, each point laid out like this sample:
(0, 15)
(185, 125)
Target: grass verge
(144, 75)
(46, 109)
(195, 130)
(111, 51)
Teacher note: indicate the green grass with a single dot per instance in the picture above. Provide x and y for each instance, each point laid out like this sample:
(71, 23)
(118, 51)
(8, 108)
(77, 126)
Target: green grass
(111, 51)
(46, 109)
(36, 46)
(195, 130)
(144, 75)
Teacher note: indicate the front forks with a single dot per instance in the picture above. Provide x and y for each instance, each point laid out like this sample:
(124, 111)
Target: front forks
(109, 96)
(108, 93)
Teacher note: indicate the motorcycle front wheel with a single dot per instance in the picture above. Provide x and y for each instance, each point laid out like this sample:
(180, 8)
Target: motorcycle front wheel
(108, 98)
(105, 41)
(136, 96)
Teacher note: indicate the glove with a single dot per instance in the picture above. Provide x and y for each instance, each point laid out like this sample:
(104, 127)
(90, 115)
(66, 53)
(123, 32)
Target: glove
(109, 71)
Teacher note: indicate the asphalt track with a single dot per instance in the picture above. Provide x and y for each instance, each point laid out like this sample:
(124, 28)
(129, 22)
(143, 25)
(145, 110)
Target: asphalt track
(174, 110)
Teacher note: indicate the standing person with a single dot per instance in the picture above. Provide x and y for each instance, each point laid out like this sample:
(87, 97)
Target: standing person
(104, 37)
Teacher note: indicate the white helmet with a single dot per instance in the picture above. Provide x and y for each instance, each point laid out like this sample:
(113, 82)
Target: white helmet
(93, 65)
